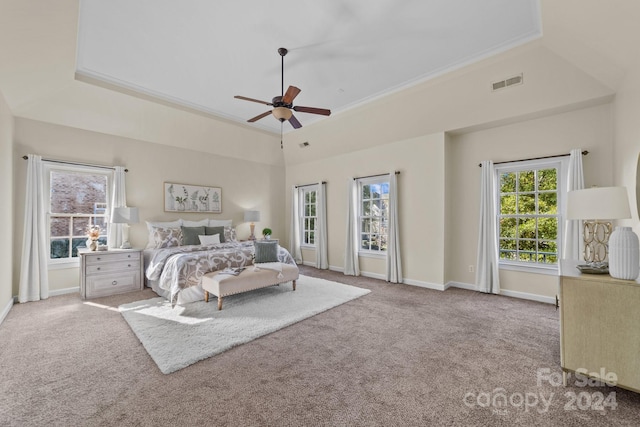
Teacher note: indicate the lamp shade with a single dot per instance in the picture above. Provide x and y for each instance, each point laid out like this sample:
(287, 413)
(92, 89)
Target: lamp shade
(125, 216)
(598, 203)
(251, 216)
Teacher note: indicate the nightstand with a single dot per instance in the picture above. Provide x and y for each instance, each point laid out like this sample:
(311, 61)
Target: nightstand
(115, 271)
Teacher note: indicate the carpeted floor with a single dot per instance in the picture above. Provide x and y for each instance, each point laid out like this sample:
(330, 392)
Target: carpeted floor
(400, 356)
(183, 335)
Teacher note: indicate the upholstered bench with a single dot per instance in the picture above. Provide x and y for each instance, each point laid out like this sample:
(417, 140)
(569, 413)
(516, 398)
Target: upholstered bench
(249, 279)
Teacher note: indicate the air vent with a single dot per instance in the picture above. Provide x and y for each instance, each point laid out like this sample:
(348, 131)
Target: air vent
(510, 81)
(304, 144)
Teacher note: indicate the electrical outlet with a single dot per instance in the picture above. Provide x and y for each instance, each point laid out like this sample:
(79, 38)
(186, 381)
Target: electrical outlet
(471, 267)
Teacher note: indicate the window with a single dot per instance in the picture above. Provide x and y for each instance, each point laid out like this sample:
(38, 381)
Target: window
(77, 199)
(308, 224)
(373, 214)
(530, 198)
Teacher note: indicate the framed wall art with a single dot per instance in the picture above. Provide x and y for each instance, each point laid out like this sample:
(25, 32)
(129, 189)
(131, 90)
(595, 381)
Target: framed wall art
(192, 198)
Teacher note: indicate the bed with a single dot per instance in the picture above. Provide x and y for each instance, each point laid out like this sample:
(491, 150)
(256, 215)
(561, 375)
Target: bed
(174, 270)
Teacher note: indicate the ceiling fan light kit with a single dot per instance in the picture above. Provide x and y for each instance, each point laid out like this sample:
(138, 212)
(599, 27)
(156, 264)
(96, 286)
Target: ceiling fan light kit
(283, 105)
(282, 113)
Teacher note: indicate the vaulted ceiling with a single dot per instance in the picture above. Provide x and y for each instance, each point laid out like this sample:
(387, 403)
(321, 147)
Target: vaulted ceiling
(341, 53)
(166, 72)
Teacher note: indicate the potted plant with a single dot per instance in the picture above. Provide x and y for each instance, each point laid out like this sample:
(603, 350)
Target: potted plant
(266, 233)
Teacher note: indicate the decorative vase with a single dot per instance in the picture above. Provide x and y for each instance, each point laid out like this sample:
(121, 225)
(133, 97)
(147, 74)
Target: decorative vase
(267, 237)
(93, 245)
(624, 254)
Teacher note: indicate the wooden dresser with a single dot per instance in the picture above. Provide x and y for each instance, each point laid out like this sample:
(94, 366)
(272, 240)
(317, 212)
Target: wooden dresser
(110, 272)
(600, 325)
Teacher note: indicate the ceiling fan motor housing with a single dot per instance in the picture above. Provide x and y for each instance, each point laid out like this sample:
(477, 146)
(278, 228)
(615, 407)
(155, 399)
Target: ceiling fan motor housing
(277, 102)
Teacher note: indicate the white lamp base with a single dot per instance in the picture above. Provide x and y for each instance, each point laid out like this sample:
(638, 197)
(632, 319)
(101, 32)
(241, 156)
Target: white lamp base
(125, 237)
(624, 255)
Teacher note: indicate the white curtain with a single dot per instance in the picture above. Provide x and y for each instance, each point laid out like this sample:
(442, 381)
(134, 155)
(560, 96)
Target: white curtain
(34, 279)
(394, 260)
(322, 260)
(294, 232)
(118, 200)
(351, 266)
(575, 181)
(487, 277)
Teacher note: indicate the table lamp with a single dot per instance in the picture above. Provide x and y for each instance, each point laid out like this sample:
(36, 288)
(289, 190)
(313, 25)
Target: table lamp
(597, 206)
(252, 216)
(125, 216)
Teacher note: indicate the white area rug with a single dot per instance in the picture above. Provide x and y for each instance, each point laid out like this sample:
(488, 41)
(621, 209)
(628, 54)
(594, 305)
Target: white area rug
(176, 338)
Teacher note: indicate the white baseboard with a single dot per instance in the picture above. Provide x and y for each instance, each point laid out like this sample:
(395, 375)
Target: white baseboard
(56, 292)
(373, 275)
(505, 292)
(64, 291)
(6, 309)
(524, 295)
(434, 286)
(439, 287)
(309, 263)
(467, 286)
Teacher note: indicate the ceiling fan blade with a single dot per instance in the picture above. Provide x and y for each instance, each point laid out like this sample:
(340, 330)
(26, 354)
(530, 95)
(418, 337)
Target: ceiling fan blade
(256, 118)
(252, 100)
(294, 122)
(312, 110)
(290, 94)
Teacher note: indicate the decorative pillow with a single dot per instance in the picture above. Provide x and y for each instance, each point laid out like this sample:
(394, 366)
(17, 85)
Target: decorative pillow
(199, 223)
(209, 231)
(210, 239)
(190, 235)
(229, 234)
(161, 237)
(220, 222)
(170, 224)
(266, 251)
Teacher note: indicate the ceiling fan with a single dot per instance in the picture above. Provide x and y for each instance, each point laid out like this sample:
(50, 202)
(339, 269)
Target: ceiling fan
(283, 104)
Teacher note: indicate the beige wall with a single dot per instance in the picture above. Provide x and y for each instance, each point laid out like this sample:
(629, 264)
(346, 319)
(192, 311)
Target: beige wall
(245, 185)
(421, 197)
(456, 100)
(6, 207)
(627, 132)
(589, 129)
(558, 107)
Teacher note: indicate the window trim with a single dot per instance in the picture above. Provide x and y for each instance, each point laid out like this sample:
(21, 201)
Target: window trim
(562, 163)
(48, 168)
(368, 253)
(301, 204)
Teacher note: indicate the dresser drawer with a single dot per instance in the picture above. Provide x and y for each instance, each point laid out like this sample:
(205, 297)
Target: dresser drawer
(110, 272)
(107, 267)
(102, 285)
(111, 257)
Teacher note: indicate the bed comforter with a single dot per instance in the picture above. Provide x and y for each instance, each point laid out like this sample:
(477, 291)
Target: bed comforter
(181, 267)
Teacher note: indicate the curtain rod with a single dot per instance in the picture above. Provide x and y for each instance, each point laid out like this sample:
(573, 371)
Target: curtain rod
(373, 176)
(309, 185)
(75, 163)
(584, 153)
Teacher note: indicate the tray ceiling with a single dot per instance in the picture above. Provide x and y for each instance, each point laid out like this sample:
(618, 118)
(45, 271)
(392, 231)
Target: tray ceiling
(199, 54)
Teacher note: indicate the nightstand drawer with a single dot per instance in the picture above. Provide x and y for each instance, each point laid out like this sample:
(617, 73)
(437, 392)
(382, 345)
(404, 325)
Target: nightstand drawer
(110, 272)
(98, 285)
(98, 258)
(112, 266)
